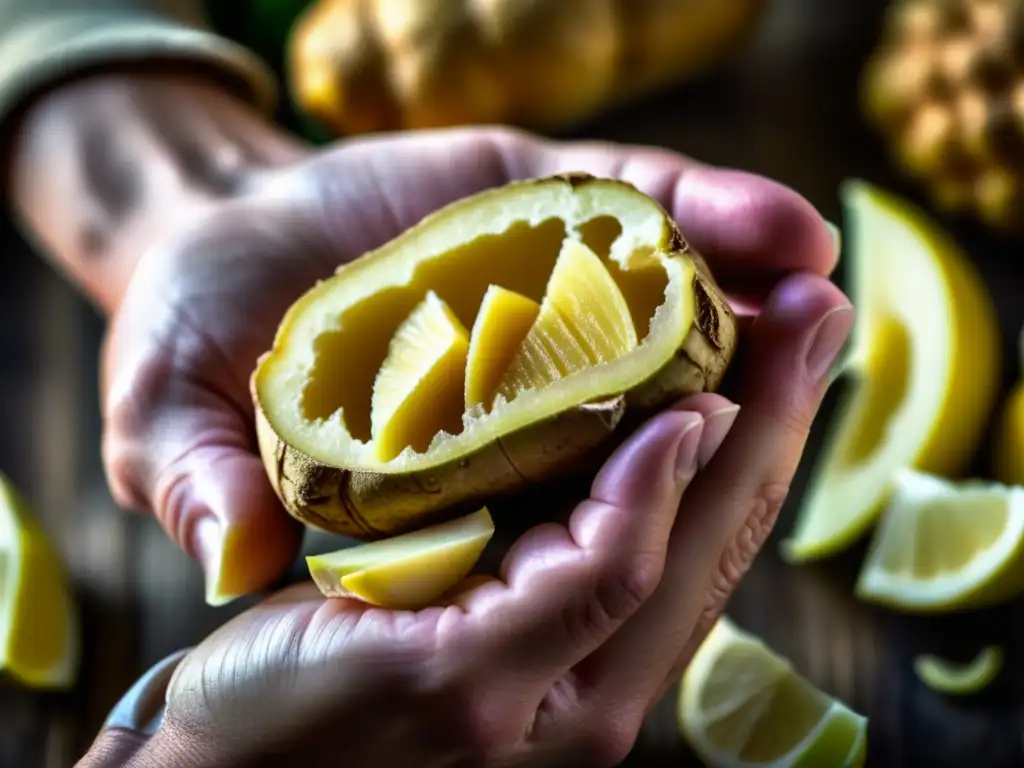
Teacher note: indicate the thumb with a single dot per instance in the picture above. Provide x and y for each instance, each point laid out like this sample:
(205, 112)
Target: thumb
(229, 519)
(177, 448)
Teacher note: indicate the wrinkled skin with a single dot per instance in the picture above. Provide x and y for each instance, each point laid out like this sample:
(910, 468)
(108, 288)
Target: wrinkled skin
(588, 622)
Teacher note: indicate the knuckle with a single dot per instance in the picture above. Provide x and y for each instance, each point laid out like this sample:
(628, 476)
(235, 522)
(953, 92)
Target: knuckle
(616, 596)
(130, 404)
(505, 137)
(121, 465)
(633, 585)
(798, 419)
(507, 146)
(476, 731)
(764, 511)
(768, 501)
(722, 586)
(458, 723)
(611, 740)
(739, 555)
(171, 505)
(483, 736)
(450, 706)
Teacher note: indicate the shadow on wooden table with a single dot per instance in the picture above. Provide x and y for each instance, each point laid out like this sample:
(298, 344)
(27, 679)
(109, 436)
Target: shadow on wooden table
(791, 115)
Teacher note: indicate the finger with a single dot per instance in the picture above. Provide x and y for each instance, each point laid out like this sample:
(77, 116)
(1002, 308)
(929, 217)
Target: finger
(565, 589)
(732, 504)
(174, 445)
(321, 662)
(216, 149)
(115, 746)
(829, 334)
(746, 225)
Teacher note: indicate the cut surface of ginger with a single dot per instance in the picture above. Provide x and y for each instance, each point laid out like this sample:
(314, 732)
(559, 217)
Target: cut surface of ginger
(584, 321)
(418, 391)
(408, 571)
(502, 322)
(635, 280)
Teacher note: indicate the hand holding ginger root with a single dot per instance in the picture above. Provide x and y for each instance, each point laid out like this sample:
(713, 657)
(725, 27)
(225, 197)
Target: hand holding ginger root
(565, 649)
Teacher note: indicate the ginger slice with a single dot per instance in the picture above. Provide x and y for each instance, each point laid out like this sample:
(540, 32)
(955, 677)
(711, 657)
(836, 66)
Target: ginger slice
(584, 321)
(418, 391)
(502, 322)
(408, 571)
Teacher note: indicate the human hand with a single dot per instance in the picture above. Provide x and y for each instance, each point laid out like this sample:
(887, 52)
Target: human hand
(554, 662)
(588, 623)
(204, 303)
(629, 586)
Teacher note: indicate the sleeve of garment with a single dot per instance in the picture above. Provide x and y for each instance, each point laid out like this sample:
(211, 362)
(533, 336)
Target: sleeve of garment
(45, 41)
(141, 708)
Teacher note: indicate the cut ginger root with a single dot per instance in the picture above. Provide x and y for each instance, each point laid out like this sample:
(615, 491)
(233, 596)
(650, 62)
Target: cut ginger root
(406, 572)
(584, 322)
(378, 413)
(418, 391)
(504, 319)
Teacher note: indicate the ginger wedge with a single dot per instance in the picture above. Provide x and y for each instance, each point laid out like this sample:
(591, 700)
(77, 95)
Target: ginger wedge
(583, 322)
(405, 572)
(630, 319)
(504, 319)
(418, 390)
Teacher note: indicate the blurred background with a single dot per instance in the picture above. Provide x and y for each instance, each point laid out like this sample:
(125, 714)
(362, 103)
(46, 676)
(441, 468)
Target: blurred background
(785, 101)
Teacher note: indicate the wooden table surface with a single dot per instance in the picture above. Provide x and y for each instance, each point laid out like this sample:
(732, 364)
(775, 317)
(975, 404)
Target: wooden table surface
(787, 110)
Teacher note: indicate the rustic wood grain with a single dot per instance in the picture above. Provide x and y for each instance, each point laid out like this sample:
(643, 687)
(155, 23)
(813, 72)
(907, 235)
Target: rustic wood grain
(788, 111)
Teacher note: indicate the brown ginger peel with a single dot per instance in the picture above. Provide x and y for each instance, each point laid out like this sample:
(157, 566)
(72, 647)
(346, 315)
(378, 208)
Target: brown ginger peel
(368, 423)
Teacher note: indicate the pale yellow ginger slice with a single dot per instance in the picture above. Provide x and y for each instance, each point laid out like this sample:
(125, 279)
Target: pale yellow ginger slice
(418, 391)
(405, 572)
(584, 321)
(504, 319)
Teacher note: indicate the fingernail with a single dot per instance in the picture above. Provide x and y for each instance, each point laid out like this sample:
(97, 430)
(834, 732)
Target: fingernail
(689, 446)
(828, 340)
(837, 236)
(716, 427)
(208, 546)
